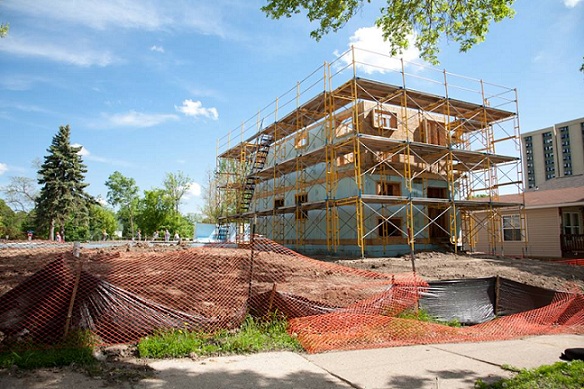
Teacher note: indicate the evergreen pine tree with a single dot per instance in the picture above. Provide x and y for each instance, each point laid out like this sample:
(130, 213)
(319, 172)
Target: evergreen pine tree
(61, 176)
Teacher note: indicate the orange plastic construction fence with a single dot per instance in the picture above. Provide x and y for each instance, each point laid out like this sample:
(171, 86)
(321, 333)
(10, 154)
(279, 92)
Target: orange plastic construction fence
(122, 293)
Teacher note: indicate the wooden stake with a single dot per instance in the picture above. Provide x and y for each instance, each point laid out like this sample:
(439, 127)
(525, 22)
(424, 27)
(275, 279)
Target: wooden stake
(272, 295)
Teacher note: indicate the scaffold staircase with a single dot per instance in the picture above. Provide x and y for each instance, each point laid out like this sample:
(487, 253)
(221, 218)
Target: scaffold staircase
(257, 162)
(222, 231)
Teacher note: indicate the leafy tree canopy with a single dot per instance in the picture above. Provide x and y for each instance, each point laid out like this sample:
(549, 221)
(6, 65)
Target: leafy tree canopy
(465, 22)
(12, 224)
(123, 192)
(176, 185)
(154, 211)
(101, 218)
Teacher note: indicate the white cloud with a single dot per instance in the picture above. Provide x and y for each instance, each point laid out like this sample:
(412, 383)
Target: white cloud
(208, 19)
(88, 156)
(139, 119)
(370, 41)
(4, 169)
(571, 3)
(97, 14)
(20, 82)
(195, 108)
(83, 151)
(56, 52)
(194, 190)
(158, 49)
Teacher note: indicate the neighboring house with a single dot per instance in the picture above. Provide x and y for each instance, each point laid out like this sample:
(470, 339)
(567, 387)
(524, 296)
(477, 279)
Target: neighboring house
(553, 216)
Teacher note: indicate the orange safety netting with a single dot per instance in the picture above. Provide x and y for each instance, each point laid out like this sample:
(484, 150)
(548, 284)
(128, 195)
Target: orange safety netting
(123, 293)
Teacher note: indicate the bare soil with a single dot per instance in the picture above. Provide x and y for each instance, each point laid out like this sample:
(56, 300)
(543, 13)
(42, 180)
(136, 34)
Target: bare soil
(443, 266)
(295, 277)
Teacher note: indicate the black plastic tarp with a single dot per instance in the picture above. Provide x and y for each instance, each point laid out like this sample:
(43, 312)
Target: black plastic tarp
(469, 301)
(477, 300)
(515, 297)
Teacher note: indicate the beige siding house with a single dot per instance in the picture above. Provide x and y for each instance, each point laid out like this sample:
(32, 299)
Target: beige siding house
(552, 223)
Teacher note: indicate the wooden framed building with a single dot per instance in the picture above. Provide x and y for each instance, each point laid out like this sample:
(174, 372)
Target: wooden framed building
(367, 167)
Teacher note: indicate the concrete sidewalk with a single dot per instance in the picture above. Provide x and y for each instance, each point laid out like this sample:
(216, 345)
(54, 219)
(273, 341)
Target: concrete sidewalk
(445, 366)
(428, 366)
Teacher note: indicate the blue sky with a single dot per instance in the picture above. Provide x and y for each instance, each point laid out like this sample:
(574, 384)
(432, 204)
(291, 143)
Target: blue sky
(148, 86)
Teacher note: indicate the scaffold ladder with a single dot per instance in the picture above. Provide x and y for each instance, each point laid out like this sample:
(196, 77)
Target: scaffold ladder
(257, 163)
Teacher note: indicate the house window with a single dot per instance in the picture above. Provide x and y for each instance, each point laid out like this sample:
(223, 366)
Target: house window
(278, 202)
(345, 127)
(511, 228)
(384, 120)
(301, 140)
(571, 223)
(388, 189)
(299, 200)
(345, 159)
(389, 227)
(437, 193)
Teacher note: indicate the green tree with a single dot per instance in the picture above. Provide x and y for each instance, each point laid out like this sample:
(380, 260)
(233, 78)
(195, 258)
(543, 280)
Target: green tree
(182, 225)
(176, 185)
(101, 218)
(123, 193)
(155, 211)
(11, 223)
(5, 214)
(62, 193)
(465, 22)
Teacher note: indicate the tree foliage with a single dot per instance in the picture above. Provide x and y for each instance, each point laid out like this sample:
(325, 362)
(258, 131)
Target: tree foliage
(155, 210)
(176, 185)
(123, 193)
(101, 218)
(7, 215)
(4, 27)
(61, 176)
(465, 22)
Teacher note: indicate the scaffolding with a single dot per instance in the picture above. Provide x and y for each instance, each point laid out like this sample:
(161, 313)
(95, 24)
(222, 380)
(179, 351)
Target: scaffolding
(368, 167)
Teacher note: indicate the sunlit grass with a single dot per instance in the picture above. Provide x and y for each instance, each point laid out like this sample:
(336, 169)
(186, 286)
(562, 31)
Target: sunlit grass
(560, 375)
(77, 348)
(254, 335)
(423, 315)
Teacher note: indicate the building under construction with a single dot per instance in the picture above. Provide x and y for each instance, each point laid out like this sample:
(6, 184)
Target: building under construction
(346, 164)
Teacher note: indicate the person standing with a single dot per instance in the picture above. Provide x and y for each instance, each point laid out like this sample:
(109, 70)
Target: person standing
(139, 235)
(58, 237)
(166, 235)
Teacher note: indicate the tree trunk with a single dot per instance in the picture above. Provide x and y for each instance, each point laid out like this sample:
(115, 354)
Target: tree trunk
(131, 224)
(52, 230)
